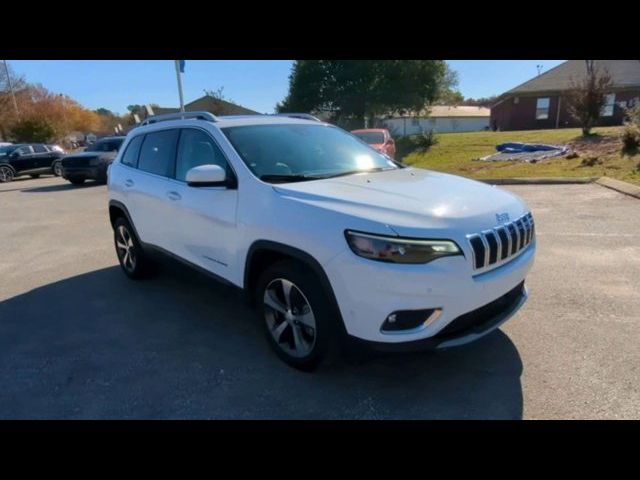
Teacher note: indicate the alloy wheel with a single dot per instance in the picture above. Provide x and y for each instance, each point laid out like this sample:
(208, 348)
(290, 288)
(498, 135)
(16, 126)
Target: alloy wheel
(6, 174)
(289, 318)
(126, 248)
(57, 169)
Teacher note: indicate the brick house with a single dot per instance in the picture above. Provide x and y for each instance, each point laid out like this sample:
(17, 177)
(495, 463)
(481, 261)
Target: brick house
(540, 102)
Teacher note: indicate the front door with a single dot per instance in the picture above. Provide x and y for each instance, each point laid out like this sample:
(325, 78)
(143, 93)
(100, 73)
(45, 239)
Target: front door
(206, 232)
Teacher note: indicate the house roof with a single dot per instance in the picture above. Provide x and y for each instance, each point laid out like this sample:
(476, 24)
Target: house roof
(210, 104)
(447, 111)
(624, 74)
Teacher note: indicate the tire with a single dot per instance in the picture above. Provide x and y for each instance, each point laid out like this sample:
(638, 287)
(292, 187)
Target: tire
(301, 330)
(57, 169)
(132, 259)
(77, 181)
(35, 175)
(6, 174)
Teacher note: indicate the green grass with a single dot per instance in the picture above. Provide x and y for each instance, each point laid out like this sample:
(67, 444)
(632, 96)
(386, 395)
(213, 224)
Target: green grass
(455, 153)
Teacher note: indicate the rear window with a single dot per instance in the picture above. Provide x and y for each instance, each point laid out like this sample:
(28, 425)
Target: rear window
(158, 153)
(39, 148)
(371, 138)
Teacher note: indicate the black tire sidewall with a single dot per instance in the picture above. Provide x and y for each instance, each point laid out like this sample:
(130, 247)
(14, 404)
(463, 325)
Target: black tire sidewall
(310, 286)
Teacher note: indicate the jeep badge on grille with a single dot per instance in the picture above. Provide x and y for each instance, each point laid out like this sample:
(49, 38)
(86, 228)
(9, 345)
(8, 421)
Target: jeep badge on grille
(502, 217)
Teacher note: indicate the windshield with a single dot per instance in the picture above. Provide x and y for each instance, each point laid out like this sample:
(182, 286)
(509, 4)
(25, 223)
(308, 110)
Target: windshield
(7, 150)
(105, 146)
(296, 152)
(372, 138)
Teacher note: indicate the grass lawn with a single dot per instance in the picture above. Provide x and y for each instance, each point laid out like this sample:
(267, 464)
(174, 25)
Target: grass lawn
(455, 153)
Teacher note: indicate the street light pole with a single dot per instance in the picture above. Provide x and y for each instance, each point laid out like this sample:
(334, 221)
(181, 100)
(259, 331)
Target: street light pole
(13, 95)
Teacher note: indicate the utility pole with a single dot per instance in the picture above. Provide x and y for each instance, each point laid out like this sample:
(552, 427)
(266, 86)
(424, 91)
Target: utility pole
(539, 67)
(13, 95)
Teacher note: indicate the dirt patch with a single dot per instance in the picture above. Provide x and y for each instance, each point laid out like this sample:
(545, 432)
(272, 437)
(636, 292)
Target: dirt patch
(596, 146)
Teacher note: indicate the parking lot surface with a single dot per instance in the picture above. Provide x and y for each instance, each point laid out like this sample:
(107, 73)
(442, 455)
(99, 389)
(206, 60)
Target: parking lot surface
(80, 340)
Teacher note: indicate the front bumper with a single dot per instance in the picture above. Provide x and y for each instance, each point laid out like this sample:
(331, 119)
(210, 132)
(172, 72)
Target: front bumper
(467, 328)
(96, 173)
(367, 292)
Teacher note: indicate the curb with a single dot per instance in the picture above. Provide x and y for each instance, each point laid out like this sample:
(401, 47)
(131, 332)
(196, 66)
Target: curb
(620, 186)
(539, 180)
(611, 183)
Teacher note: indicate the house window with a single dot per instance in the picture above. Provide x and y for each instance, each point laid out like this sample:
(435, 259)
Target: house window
(609, 103)
(542, 109)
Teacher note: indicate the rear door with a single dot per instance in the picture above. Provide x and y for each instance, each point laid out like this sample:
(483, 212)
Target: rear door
(42, 157)
(147, 187)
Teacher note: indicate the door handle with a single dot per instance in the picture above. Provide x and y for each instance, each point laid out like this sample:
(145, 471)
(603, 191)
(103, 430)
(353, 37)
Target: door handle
(128, 183)
(174, 196)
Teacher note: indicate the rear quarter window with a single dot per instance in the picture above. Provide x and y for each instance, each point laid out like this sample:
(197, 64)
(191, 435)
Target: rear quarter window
(131, 154)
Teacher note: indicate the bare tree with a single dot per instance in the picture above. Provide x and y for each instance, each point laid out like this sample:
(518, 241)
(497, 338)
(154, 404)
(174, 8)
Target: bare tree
(7, 108)
(587, 96)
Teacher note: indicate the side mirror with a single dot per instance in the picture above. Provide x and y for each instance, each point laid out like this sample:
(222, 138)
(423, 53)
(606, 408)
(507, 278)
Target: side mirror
(14, 155)
(207, 176)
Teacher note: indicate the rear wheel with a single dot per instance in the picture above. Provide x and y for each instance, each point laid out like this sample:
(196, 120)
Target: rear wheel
(132, 259)
(57, 169)
(297, 316)
(6, 174)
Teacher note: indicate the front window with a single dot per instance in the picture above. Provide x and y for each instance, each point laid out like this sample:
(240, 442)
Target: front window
(372, 138)
(542, 109)
(609, 104)
(296, 152)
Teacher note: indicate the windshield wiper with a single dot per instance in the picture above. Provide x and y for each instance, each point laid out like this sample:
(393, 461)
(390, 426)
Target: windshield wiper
(353, 172)
(286, 178)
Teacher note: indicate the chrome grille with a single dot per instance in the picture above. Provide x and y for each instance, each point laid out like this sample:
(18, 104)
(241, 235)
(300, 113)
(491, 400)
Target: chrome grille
(494, 246)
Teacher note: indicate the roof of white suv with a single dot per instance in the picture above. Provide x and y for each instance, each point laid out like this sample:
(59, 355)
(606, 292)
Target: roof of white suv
(225, 121)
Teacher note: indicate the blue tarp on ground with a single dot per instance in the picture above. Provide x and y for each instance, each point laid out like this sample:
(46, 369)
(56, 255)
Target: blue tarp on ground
(526, 152)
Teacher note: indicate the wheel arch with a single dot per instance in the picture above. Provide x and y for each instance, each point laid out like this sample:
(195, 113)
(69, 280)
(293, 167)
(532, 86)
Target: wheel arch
(118, 209)
(11, 167)
(263, 253)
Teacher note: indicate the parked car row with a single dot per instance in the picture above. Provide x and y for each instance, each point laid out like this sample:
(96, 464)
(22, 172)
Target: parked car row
(35, 159)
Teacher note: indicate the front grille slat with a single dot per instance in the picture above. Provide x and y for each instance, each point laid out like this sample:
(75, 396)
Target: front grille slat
(502, 242)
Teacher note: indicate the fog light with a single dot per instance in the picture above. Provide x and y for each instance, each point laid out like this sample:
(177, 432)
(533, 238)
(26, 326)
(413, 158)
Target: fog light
(409, 320)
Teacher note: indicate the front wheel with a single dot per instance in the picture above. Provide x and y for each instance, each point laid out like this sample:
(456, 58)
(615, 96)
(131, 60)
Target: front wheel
(297, 315)
(6, 174)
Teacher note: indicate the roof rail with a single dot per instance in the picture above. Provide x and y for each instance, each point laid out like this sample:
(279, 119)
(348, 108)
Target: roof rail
(304, 116)
(209, 117)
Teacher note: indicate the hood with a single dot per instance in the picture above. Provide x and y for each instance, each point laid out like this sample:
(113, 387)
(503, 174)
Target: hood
(411, 200)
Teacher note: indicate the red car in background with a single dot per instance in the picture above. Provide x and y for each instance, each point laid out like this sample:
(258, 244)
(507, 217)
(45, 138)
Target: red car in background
(378, 138)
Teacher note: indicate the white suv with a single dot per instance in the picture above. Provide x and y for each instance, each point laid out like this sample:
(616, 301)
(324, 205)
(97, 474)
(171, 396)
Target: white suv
(330, 238)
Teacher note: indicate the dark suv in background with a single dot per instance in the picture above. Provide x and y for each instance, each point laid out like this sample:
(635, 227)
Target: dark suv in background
(32, 159)
(93, 162)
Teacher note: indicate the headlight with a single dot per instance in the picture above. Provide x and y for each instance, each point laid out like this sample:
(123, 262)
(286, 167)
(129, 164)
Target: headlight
(399, 250)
